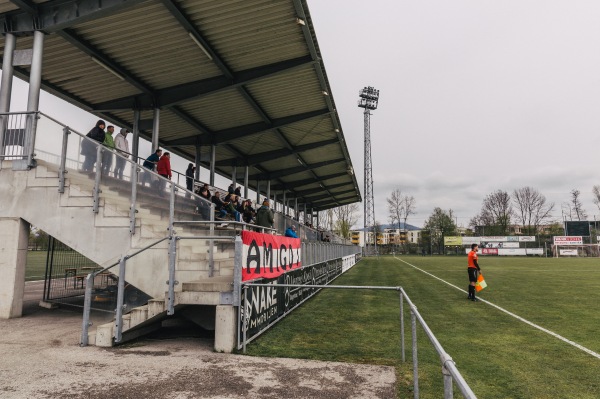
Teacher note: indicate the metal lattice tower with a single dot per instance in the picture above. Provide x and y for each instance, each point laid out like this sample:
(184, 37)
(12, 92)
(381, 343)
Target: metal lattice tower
(369, 99)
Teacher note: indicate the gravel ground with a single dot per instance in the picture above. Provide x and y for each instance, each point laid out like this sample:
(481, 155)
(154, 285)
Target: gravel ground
(40, 358)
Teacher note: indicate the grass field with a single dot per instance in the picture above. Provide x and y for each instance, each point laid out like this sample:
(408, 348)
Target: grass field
(36, 265)
(498, 355)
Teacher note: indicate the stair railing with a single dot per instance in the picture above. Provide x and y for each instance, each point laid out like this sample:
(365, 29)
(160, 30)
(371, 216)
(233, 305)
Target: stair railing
(89, 285)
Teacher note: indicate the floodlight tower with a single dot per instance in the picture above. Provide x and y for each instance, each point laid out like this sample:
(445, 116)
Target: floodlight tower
(369, 98)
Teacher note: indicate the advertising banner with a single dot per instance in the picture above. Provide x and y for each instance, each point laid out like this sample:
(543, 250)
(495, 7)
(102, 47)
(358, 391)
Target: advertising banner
(471, 240)
(493, 238)
(509, 245)
(526, 238)
(453, 240)
(269, 256)
(263, 305)
(568, 240)
(512, 238)
(500, 245)
(489, 251)
(568, 252)
(512, 252)
(535, 251)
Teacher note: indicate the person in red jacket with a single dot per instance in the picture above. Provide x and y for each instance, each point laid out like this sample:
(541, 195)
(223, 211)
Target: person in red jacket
(163, 168)
(473, 269)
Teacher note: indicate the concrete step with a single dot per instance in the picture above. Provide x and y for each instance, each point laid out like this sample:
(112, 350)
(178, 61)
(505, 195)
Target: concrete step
(212, 284)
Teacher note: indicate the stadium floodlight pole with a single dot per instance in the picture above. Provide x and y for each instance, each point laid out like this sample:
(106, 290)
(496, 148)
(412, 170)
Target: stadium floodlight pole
(369, 99)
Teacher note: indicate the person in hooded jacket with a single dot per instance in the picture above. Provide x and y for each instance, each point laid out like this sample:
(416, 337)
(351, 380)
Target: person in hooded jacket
(264, 215)
(163, 168)
(88, 149)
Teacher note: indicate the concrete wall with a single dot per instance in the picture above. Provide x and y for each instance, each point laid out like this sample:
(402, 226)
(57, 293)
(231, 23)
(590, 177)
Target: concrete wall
(14, 236)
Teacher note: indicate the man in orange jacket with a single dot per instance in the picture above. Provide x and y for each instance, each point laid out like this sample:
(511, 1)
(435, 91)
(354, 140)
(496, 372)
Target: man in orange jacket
(473, 269)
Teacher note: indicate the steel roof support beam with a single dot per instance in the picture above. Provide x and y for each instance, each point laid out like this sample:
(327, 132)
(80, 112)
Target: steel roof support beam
(174, 95)
(227, 135)
(296, 169)
(299, 183)
(276, 154)
(53, 16)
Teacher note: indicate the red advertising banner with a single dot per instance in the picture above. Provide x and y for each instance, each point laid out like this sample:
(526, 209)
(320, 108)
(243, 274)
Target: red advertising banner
(489, 251)
(568, 240)
(269, 256)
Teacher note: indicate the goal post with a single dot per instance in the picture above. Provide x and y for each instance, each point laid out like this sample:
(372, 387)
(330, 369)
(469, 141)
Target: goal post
(579, 250)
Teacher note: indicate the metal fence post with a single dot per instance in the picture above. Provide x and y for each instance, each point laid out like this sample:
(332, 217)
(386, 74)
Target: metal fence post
(237, 270)
(172, 208)
(244, 319)
(87, 304)
(413, 321)
(97, 180)
(63, 161)
(172, 282)
(132, 210)
(402, 326)
(211, 243)
(120, 300)
(448, 394)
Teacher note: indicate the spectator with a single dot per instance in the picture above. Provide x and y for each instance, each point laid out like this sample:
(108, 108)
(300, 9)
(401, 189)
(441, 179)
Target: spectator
(88, 149)
(238, 191)
(264, 215)
(150, 164)
(230, 189)
(219, 204)
(248, 212)
(163, 168)
(189, 177)
(291, 232)
(230, 201)
(107, 156)
(122, 147)
(203, 206)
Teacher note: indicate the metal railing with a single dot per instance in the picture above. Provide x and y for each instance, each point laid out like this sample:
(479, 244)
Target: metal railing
(450, 373)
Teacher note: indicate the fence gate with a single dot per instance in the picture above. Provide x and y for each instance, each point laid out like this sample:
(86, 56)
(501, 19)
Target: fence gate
(64, 282)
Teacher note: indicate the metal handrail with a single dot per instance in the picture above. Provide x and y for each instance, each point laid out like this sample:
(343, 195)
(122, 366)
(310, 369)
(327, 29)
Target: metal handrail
(228, 222)
(449, 370)
(90, 283)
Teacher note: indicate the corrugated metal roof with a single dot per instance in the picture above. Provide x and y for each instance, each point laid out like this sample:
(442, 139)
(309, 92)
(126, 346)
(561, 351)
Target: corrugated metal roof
(243, 74)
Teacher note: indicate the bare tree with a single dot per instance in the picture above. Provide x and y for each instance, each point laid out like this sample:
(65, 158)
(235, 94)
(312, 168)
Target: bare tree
(577, 208)
(531, 208)
(496, 212)
(596, 192)
(345, 218)
(400, 207)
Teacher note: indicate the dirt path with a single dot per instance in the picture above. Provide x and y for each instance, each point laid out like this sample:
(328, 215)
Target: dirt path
(40, 358)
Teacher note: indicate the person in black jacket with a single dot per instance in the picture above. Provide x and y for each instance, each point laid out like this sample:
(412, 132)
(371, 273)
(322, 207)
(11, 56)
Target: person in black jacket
(88, 149)
(189, 177)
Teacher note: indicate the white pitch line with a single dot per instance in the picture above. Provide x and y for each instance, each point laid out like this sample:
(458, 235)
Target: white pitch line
(552, 333)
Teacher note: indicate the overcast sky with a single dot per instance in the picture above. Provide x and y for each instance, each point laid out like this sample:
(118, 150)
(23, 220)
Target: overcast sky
(475, 96)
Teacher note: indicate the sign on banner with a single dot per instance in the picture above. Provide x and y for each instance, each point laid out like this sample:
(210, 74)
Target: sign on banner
(493, 238)
(568, 252)
(453, 240)
(568, 240)
(526, 238)
(512, 252)
(535, 251)
(510, 245)
(489, 251)
(471, 240)
(269, 256)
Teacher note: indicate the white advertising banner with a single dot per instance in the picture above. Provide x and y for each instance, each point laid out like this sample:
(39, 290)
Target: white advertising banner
(568, 252)
(535, 251)
(568, 240)
(509, 245)
(526, 238)
(512, 251)
(494, 238)
(471, 240)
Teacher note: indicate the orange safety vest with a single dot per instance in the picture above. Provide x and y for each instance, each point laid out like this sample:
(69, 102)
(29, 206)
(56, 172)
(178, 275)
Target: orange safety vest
(472, 258)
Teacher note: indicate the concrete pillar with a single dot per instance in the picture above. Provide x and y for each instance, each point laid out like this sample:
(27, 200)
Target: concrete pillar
(234, 176)
(7, 72)
(284, 204)
(35, 75)
(6, 85)
(246, 171)
(197, 161)
(225, 328)
(257, 192)
(296, 208)
(213, 156)
(155, 129)
(135, 139)
(275, 202)
(14, 237)
(269, 189)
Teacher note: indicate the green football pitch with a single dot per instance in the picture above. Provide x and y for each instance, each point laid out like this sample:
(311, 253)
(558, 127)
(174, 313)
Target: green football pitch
(500, 355)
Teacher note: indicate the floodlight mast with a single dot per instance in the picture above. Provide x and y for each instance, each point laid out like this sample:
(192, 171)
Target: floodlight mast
(369, 99)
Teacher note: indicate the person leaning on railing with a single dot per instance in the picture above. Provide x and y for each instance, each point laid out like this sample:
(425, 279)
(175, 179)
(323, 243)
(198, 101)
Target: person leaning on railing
(264, 215)
(149, 164)
(163, 168)
(88, 149)
(122, 147)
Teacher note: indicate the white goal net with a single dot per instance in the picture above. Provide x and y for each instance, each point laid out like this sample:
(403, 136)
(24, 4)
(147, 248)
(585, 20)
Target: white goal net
(581, 250)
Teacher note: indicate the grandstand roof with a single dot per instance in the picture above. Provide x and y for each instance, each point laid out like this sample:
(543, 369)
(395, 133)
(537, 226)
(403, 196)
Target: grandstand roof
(245, 75)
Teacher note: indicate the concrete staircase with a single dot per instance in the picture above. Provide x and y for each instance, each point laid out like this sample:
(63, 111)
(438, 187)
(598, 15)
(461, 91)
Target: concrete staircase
(105, 236)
